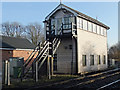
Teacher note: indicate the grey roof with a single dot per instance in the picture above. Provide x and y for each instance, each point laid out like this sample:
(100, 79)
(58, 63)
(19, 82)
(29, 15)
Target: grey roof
(15, 43)
(84, 16)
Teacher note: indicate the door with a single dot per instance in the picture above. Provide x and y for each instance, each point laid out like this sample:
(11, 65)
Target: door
(58, 24)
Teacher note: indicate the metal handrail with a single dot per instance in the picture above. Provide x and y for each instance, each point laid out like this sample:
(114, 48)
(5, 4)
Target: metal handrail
(36, 49)
(42, 61)
(54, 40)
(43, 54)
(35, 60)
(56, 47)
(30, 54)
(39, 54)
(25, 65)
(28, 68)
(45, 50)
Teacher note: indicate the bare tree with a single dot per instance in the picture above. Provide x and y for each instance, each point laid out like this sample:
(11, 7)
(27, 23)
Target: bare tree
(114, 51)
(35, 33)
(13, 29)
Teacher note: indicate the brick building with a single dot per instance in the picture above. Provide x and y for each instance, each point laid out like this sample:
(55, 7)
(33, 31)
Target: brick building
(15, 47)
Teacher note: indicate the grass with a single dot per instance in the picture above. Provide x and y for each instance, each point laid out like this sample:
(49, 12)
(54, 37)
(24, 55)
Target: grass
(16, 83)
(42, 81)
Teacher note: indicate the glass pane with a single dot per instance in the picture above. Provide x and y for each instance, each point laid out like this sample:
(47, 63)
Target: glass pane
(104, 59)
(102, 30)
(84, 60)
(84, 24)
(99, 59)
(105, 32)
(98, 29)
(91, 59)
(66, 20)
(53, 24)
(89, 26)
(94, 28)
(80, 23)
(72, 19)
(59, 23)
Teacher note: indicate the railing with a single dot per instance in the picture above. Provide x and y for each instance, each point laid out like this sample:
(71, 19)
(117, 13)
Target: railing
(66, 28)
(43, 48)
(69, 28)
(30, 62)
(32, 55)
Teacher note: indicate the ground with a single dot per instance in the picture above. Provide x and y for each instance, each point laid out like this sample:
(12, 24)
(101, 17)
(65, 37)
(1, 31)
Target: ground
(59, 81)
(16, 83)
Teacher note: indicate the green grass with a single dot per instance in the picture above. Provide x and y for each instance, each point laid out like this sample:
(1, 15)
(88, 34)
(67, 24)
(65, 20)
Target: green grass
(42, 81)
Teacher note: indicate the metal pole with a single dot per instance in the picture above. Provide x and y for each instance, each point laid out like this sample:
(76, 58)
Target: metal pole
(36, 71)
(72, 47)
(72, 58)
(8, 73)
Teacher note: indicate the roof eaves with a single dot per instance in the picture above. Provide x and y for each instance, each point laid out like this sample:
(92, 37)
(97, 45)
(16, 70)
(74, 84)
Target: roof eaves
(88, 17)
(52, 12)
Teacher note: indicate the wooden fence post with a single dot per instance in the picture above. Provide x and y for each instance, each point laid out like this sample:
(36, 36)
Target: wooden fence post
(48, 67)
(52, 66)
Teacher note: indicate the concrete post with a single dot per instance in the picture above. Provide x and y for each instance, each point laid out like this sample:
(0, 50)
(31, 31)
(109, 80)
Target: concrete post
(8, 73)
(6, 62)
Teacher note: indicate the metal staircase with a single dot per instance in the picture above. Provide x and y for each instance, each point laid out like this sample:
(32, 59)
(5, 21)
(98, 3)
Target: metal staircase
(42, 51)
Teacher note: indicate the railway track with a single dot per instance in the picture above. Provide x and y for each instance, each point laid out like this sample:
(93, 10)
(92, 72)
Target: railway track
(115, 84)
(97, 81)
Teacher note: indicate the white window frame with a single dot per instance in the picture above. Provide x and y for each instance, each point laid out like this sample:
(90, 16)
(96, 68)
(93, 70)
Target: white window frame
(98, 29)
(102, 31)
(84, 60)
(94, 28)
(89, 26)
(84, 24)
(80, 23)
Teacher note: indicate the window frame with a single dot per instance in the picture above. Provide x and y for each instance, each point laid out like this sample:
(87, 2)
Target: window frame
(94, 28)
(92, 60)
(104, 59)
(102, 31)
(80, 23)
(85, 25)
(99, 60)
(98, 29)
(84, 60)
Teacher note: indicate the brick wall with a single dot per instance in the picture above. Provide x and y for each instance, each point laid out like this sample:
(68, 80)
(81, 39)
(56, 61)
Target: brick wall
(6, 54)
(22, 53)
(15, 53)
